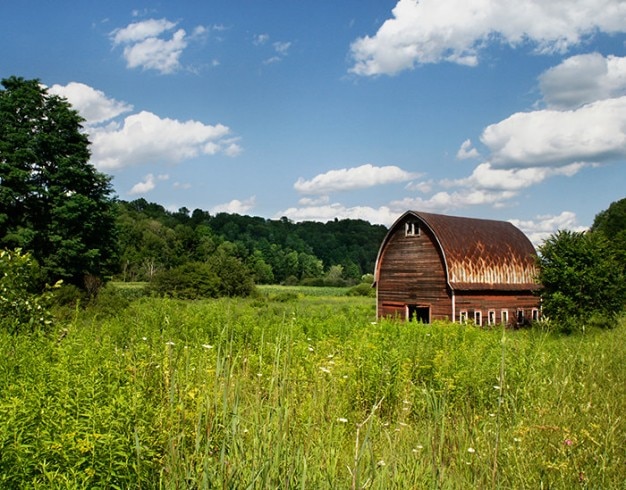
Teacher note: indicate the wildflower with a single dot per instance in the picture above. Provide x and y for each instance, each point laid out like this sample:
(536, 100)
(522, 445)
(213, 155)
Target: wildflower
(496, 387)
(568, 442)
(311, 349)
(144, 338)
(343, 420)
(325, 370)
(169, 342)
(207, 346)
(259, 374)
(517, 439)
(381, 463)
(471, 450)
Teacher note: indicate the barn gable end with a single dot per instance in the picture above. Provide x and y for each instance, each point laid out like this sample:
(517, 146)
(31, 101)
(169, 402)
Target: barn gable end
(433, 266)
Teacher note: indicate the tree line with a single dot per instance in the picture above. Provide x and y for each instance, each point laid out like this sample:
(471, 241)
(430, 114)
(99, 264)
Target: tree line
(152, 240)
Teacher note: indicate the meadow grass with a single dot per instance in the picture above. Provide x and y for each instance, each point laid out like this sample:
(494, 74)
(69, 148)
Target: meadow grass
(284, 391)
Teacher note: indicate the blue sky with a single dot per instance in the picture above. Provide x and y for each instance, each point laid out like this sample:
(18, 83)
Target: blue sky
(512, 110)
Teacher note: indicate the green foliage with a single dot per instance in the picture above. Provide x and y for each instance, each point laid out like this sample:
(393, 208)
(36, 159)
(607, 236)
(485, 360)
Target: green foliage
(308, 393)
(153, 239)
(192, 280)
(363, 289)
(581, 277)
(22, 308)
(53, 203)
(221, 275)
(611, 223)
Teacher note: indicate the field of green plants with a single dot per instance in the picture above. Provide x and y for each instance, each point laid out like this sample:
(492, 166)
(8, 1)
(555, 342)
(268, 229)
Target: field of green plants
(294, 390)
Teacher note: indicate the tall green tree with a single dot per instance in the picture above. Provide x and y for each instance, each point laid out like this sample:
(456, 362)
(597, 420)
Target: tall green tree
(53, 202)
(581, 277)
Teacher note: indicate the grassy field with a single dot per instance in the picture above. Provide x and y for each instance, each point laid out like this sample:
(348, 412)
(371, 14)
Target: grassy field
(290, 390)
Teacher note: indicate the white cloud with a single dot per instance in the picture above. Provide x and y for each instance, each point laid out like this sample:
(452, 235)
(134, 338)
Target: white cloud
(352, 178)
(142, 137)
(138, 31)
(383, 215)
(595, 132)
(149, 45)
(467, 151)
(146, 137)
(93, 105)
(487, 178)
(431, 31)
(443, 202)
(308, 201)
(235, 206)
(281, 48)
(540, 228)
(148, 184)
(582, 79)
(260, 39)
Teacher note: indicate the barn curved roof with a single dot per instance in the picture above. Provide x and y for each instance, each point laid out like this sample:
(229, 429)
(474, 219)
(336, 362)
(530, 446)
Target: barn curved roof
(480, 254)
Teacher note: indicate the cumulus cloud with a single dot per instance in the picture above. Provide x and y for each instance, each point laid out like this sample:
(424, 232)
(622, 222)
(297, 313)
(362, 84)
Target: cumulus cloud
(431, 31)
(582, 79)
(382, 215)
(542, 226)
(93, 105)
(235, 206)
(142, 137)
(146, 137)
(595, 132)
(148, 184)
(467, 151)
(361, 177)
(150, 44)
(487, 178)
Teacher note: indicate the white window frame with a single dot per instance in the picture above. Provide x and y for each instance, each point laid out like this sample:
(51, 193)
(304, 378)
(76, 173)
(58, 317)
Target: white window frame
(411, 228)
(491, 317)
(478, 318)
(463, 316)
(504, 317)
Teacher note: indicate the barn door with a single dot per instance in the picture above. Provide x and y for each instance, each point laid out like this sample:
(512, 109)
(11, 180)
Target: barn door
(416, 313)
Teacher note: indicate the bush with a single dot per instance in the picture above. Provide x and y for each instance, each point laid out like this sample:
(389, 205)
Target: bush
(22, 308)
(363, 289)
(189, 281)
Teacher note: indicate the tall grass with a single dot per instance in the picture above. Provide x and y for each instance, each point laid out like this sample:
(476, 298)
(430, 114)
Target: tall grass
(299, 392)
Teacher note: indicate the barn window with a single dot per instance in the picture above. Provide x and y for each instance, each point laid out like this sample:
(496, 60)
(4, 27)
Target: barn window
(411, 228)
(520, 317)
(535, 315)
(504, 316)
(478, 318)
(463, 316)
(491, 317)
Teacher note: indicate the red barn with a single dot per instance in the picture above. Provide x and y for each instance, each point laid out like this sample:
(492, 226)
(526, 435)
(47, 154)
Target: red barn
(435, 267)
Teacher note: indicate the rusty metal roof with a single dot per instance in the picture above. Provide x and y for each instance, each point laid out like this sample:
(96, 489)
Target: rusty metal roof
(482, 254)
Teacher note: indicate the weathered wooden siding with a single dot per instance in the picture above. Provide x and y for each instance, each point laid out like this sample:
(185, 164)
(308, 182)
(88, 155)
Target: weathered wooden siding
(497, 302)
(411, 271)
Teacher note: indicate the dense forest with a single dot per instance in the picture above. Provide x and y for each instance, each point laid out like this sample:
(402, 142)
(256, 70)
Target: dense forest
(153, 239)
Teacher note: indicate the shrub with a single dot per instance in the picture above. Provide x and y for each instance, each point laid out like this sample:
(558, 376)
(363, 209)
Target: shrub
(189, 281)
(22, 308)
(363, 289)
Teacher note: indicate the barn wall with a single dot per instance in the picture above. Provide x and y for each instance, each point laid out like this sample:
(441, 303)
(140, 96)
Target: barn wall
(496, 302)
(411, 271)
